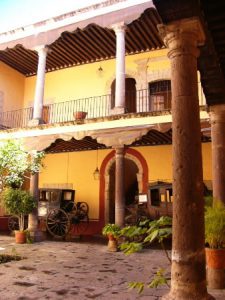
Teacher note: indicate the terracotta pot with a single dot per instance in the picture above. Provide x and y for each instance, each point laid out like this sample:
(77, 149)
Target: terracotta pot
(79, 115)
(20, 237)
(111, 237)
(215, 268)
(215, 258)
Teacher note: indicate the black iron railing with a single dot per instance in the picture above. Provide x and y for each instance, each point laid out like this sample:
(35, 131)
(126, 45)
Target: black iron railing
(94, 107)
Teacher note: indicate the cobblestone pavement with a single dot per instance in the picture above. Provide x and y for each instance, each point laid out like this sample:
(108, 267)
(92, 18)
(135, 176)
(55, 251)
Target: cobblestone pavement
(78, 270)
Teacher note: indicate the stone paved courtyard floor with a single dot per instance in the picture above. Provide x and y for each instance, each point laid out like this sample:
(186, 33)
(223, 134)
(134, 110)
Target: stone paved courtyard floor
(78, 270)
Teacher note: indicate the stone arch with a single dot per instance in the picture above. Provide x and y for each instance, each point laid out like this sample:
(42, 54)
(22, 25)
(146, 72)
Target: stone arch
(157, 75)
(142, 178)
(129, 74)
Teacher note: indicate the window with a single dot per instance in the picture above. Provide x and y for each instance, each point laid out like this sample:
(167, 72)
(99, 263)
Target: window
(160, 95)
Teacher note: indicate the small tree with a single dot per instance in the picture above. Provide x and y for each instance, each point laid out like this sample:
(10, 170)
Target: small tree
(19, 203)
(16, 163)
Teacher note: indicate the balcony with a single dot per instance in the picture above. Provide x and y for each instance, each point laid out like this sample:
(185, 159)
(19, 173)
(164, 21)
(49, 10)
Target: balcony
(141, 101)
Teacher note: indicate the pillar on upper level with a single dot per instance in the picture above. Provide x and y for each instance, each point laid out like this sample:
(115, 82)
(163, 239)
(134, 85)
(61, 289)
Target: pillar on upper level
(120, 29)
(119, 187)
(188, 274)
(40, 84)
(217, 119)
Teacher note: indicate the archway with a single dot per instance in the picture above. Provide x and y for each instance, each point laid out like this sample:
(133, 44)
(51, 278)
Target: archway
(130, 186)
(138, 167)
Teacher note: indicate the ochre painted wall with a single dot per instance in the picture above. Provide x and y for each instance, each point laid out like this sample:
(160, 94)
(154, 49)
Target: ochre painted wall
(12, 86)
(159, 160)
(80, 81)
(78, 167)
(84, 81)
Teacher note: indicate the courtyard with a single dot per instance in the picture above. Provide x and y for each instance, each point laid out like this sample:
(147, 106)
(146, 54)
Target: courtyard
(81, 269)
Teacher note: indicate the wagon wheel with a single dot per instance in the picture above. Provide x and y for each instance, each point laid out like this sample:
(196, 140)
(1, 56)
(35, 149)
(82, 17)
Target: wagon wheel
(57, 222)
(13, 223)
(79, 224)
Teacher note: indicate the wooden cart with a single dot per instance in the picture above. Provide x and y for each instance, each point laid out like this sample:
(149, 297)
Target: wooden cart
(60, 214)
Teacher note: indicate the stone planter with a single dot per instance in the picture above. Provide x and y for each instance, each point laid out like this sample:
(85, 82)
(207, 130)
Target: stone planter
(215, 268)
(80, 115)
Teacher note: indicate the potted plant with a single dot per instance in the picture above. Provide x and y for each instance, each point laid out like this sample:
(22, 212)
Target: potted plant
(79, 115)
(215, 240)
(112, 231)
(19, 203)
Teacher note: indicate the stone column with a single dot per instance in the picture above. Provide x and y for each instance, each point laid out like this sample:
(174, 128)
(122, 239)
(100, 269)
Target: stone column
(120, 69)
(188, 274)
(119, 188)
(217, 116)
(33, 217)
(40, 83)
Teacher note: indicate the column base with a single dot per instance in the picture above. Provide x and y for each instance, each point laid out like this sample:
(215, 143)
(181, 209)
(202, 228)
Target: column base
(215, 278)
(118, 110)
(35, 122)
(178, 295)
(37, 236)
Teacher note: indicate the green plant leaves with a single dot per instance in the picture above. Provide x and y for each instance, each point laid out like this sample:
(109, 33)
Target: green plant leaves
(215, 226)
(130, 247)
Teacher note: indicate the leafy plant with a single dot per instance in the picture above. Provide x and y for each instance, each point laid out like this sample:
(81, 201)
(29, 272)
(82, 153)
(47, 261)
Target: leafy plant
(149, 231)
(112, 229)
(19, 203)
(158, 279)
(16, 163)
(160, 230)
(131, 247)
(215, 226)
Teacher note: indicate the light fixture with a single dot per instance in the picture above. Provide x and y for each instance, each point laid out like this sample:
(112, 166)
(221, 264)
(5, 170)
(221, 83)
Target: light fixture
(96, 173)
(100, 71)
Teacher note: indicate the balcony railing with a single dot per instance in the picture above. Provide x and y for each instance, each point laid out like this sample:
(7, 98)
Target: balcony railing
(95, 107)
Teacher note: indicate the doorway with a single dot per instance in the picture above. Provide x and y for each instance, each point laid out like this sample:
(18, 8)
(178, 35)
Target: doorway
(130, 186)
(130, 95)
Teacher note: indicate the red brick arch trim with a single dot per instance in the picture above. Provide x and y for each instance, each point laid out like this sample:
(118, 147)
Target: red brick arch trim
(105, 164)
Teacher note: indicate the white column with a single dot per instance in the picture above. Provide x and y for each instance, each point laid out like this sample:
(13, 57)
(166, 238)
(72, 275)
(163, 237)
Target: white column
(120, 68)
(40, 82)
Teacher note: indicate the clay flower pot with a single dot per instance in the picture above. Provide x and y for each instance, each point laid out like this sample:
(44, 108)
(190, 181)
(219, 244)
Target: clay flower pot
(80, 115)
(215, 266)
(20, 237)
(112, 243)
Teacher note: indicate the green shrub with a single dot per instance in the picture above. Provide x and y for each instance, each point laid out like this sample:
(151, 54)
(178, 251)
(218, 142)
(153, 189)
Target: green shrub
(215, 226)
(111, 229)
(19, 203)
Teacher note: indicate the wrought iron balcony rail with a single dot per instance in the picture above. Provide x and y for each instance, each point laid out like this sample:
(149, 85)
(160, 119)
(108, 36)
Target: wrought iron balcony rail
(94, 107)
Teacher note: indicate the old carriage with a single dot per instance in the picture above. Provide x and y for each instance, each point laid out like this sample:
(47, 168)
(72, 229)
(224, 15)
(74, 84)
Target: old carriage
(60, 215)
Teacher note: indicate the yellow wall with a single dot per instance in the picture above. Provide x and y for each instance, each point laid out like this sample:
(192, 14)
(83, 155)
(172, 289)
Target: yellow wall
(83, 81)
(75, 82)
(159, 160)
(78, 167)
(12, 85)
(207, 161)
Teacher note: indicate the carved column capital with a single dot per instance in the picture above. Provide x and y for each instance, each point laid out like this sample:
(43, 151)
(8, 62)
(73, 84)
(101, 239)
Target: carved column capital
(119, 27)
(119, 150)
(182, 37)
(42, 50)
